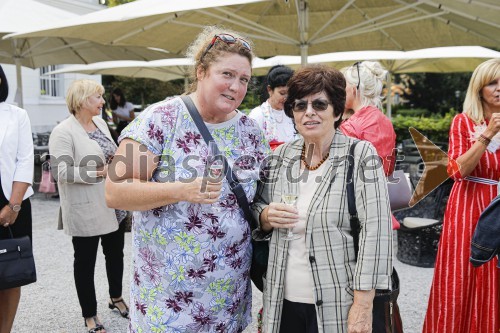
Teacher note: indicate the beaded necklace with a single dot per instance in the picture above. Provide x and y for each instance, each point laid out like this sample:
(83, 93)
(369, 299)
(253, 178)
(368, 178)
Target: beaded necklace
(315, 167)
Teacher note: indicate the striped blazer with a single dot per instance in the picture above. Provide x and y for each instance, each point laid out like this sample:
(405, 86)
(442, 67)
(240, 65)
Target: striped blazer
(333, 267)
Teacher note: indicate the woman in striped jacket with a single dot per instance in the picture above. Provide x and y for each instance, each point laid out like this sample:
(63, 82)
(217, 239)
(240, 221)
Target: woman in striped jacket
(315, 283)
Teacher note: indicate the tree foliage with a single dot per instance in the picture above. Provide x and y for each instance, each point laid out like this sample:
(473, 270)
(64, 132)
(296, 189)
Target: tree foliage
(143, 91)
(112, 3)
(436, 92)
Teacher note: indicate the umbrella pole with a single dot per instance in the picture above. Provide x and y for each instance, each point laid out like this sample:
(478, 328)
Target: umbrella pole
(303, 54)
(19, 90)
(389, 95)
(186, 83)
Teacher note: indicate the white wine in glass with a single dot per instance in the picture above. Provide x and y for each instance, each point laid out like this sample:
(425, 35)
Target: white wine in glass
(289, 199)
(289, 195)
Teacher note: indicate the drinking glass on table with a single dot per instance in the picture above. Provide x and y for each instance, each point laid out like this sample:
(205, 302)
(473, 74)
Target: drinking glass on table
(289, 195)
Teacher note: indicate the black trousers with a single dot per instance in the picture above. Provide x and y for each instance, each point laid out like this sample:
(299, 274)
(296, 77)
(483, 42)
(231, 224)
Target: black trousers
(298, 318)
(84, 267)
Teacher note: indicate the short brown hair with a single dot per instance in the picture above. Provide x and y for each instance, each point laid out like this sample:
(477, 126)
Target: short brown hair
(313, 79)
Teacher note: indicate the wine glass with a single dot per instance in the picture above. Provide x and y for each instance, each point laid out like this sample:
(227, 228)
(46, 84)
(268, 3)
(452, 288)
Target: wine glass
(289, 195)
(215, 163)
(214, 168)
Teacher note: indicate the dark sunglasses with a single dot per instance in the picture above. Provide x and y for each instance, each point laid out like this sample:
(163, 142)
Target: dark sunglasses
(359, 77)
(228, 39)
(317, 105)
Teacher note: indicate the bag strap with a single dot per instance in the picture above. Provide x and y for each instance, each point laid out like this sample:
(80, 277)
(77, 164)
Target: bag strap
(351, 200)
(233, 181)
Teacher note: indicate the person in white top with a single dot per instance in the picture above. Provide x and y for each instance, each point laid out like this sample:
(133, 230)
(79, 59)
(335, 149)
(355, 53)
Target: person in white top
(277, 127)
(16, 173)
(123, 111)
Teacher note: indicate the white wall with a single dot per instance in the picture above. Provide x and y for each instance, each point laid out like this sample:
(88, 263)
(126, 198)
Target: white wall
(44, 112)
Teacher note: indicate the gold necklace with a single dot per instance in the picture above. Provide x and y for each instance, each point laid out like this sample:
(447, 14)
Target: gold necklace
(315, 167)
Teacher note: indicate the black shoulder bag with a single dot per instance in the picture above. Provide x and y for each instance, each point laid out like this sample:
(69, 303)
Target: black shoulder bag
(260, 248)
(386, 316)
(17, 265)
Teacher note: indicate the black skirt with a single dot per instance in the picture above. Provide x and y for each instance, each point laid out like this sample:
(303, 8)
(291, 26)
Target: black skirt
(23, 224)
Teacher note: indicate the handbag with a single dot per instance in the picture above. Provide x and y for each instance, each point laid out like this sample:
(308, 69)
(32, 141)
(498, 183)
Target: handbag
(47, 183)
(17, 265)
(386, 315)
(399, 191)
(260, 253)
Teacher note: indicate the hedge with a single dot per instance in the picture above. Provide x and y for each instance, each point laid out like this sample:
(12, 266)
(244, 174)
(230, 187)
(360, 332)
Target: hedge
(434, 127)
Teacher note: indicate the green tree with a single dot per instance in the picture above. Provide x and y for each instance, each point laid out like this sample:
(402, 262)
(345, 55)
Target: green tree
(143, 91)
(436, 92)
(112, 3)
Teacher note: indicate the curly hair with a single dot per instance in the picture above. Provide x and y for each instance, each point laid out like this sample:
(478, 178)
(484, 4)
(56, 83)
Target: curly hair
(203, 59)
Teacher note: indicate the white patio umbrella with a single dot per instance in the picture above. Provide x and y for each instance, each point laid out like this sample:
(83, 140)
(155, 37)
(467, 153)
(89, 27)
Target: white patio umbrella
(164, 70)
(430, 60)
(293, 26)
(17, 15)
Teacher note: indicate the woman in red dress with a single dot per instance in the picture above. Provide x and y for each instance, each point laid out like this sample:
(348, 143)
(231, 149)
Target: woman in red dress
(465, 299)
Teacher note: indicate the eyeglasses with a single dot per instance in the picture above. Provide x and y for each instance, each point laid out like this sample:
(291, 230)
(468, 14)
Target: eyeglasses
(228, 39)
(318, 105)
(359, 77)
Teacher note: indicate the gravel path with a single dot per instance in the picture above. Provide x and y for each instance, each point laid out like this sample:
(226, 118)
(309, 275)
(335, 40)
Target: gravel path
(51, 304)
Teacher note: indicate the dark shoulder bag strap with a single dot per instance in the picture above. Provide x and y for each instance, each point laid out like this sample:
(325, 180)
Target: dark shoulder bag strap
(351, 200)
(234, 184)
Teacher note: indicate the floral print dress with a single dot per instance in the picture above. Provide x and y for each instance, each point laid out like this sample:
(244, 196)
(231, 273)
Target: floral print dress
(191, 262)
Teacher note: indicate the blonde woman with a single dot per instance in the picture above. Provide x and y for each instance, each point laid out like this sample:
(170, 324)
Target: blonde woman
(365, 81)
(81, 147)
(465, 299)
(363, 110)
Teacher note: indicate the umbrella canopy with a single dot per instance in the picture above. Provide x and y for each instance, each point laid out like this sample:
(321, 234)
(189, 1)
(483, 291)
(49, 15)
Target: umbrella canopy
(17, 15)
(164, 70)
(292, 26)
(430, 60)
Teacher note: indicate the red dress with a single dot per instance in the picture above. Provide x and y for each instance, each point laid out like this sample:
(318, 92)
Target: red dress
(464, 299)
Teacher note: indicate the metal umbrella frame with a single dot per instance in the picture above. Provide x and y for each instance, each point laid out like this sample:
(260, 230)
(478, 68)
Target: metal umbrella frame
(293, 27)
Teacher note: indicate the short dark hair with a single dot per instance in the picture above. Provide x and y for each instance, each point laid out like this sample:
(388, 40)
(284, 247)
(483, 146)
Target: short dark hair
(4, 86)
(278, 76)
(313, 79)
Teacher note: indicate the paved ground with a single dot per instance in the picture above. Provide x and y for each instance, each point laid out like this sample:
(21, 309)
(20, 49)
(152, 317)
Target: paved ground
(51, 304)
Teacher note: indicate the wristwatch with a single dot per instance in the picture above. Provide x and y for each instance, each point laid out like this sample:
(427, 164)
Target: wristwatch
(15, 208)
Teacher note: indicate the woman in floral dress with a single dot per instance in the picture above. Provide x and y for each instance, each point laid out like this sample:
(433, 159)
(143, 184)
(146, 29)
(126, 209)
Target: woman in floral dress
(191, 243)
(465, 299)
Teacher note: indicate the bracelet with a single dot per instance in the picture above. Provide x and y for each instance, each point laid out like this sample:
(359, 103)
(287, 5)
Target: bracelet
(484, 140)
